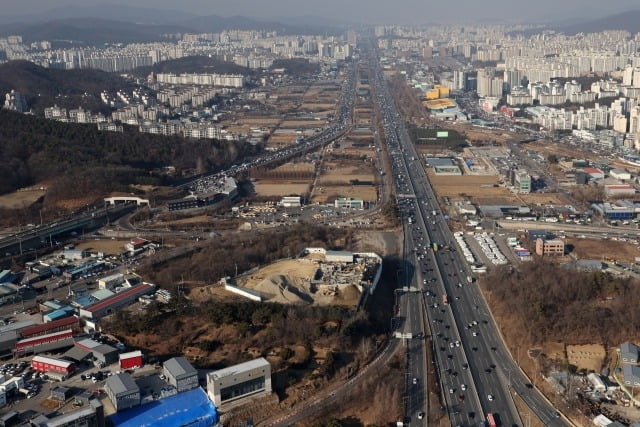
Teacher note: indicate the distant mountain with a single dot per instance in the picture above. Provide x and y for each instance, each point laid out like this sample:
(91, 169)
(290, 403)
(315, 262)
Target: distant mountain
(629, 21)
(113, 12)
(89, 31)
(44, 87)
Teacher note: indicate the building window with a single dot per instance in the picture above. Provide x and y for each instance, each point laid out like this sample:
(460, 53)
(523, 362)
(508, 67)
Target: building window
(241, 389)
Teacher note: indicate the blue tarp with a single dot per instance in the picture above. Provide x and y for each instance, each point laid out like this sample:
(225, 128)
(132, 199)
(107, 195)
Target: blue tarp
(191, 408)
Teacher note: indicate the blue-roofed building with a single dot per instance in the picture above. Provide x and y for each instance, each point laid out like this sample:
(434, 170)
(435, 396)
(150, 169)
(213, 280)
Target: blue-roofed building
(84, 301)
(6, 276)
(58, 314)
(192, 408)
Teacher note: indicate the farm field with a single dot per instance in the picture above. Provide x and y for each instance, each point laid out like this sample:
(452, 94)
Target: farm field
(110, 247)
(478, 187)
(596, 249)
(325, 194)
(276, 187)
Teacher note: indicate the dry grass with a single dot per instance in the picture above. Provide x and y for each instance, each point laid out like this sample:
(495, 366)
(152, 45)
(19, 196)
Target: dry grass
(270, 188)
(20, 199)
(324, 194)
(478, 187)
(542, 198)
(596, 249)
(589, 357)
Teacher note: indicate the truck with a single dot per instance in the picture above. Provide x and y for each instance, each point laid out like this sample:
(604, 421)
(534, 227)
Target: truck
(445, 299)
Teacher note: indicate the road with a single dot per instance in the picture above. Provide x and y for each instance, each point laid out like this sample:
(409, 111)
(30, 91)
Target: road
(463, 329)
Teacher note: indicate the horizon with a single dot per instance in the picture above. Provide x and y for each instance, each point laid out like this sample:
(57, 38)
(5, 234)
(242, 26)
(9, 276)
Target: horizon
(354, 12)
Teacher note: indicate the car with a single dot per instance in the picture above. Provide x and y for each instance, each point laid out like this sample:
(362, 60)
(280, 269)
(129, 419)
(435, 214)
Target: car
(463, 387)
(420, 415)
(488, 370)
(490, 397)
(450, 391)
(475, 334)
(528, 385)
(415, 381)
(457, 343)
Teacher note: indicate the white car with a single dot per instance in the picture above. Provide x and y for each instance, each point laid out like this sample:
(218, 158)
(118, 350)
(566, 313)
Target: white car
(490, 397)
(457, 343)
(463, 387)
(475, 334)
(450, 391)
(420, 415)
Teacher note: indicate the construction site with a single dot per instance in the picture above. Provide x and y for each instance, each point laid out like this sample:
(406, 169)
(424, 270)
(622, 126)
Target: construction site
(317, 277)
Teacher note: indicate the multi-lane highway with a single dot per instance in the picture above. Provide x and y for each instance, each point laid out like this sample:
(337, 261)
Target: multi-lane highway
(476, 371)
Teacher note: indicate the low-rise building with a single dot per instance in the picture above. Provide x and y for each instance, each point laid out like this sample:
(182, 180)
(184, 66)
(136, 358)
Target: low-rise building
(631, 375)
(180, 374)
(246, 379)
(131, 360)
(549, 247)
(349, 203)
(629, 353)
(47, 364)
(123, 391)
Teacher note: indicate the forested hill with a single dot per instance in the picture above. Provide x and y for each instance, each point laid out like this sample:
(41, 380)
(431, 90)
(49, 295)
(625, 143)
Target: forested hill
(44, 87)
(77, 160)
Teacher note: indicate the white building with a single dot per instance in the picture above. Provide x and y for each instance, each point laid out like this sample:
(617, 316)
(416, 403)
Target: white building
(248, 379)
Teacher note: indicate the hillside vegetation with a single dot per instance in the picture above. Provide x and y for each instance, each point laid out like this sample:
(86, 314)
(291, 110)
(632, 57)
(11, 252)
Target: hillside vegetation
(548, 304)
(78, 160)
(44, 87)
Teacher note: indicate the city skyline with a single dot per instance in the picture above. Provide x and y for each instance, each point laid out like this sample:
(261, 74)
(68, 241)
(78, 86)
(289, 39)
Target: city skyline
(411, 12)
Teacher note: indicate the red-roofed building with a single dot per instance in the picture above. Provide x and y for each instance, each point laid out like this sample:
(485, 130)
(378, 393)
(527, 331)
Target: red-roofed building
(119, 300)
(48, 342)
(72, 323)
(594, 173)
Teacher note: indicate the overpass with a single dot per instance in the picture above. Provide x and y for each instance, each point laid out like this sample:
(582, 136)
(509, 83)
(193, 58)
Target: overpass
(571, 228)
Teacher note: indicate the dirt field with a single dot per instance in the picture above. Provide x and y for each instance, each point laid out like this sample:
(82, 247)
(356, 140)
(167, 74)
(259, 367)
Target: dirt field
(271, 187)
(324, 194)
(20, 199)
(288, 282)
(472, 186)
(596, 249)
(589, 357)
(110, 247)
(295, 124)
(343, 174)
(554, 350)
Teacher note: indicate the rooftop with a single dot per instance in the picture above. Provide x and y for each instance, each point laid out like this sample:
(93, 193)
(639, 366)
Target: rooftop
(179, 366)
(121, 383)
(261, 362)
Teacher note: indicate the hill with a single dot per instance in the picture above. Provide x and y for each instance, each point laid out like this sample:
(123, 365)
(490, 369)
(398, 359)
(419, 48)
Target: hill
(68, 88)
(78, 160)
(629, 21)
(83, 32)
(194, 64)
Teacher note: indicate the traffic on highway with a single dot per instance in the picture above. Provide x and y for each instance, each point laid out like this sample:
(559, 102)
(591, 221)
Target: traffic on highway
(477, 374)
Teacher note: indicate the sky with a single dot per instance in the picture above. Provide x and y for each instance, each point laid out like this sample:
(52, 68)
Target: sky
(367, 11)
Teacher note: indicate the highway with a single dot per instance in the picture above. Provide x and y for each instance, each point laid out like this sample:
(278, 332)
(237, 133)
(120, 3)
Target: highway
(338, 128)
(467, 342)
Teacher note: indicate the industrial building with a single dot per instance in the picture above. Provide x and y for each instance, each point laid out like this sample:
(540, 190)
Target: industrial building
(338, 256)
(91, 414)
(103, 353)
(123, 392)
(131, 360)
(629, 353)
(631, 375)
(119, 300)
(349, 203)
(180, 374)
(621, 210)
(549, 247)
(111, 282)
(48, 342)
(246, 379)
(291, 202)
(619, 190)
(191, 408)
(51, 364)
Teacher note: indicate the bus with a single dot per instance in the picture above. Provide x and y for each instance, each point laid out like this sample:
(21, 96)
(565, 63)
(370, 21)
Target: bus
(491, 420)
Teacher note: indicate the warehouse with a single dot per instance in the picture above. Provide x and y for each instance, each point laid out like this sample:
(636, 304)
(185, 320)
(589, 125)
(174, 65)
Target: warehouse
(103, 353)
(131, 360)
(629, 353)
(119, 300)
(180, 374)
(631, 375)
(48, 342)
(72, 323)
(191, 408)
(239, 381)
(47, 364)
(123, 391)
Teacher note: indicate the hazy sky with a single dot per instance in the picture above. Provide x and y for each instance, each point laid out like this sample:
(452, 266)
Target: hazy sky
(400, 11)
